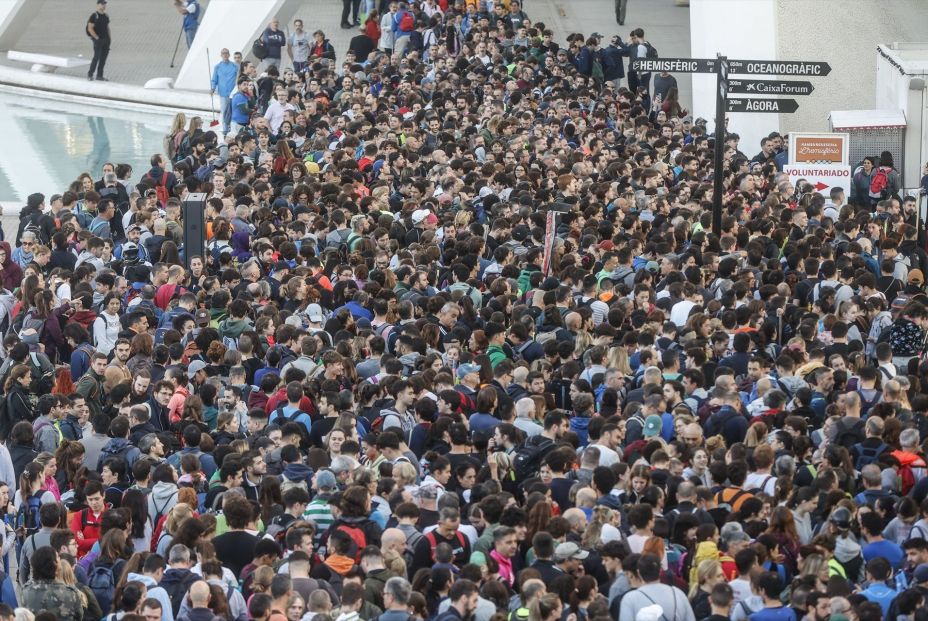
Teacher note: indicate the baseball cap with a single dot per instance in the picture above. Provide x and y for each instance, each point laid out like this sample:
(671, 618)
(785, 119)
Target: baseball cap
(921, 573)
(467, 369)
(568, 550)
(916, 277)
(653, 267)
(419, 215)
(652, 425)
(195, 367)
(325, 480)
(202, 318)
(314, 312)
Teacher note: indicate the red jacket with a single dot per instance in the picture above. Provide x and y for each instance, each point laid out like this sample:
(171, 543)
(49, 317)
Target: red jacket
(86, 523)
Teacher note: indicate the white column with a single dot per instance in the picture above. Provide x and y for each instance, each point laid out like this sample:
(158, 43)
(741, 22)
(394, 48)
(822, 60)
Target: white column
(742, 31)
(15, 16)
(233, 24)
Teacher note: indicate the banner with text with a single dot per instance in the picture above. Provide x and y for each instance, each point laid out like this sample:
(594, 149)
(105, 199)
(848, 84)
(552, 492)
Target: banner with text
(821, 148)
(823, 177)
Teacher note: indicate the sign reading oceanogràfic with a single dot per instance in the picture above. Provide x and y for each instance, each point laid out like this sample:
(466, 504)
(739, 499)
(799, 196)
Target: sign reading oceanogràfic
(823, 177)
(674, 65)
(820, 148)
(779, 67)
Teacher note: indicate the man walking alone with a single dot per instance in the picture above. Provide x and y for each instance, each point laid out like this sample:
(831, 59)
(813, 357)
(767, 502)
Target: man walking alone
(98, 29)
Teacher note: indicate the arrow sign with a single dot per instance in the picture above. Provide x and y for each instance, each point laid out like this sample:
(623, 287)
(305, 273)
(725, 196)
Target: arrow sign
(769, 87)
(777, 67)
(819, 186)
(763, 105)
(674, 65)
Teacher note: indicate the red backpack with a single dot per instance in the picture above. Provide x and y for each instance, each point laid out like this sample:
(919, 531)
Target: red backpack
(880, 182)
(161, 189)
(407, 22)
(358, 538)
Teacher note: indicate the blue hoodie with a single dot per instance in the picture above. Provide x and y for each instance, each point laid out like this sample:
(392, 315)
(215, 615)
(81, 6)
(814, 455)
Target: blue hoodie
(579, 425)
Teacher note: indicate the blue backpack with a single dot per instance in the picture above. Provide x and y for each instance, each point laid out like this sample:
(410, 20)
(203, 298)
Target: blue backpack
(102, 581)
(27, 518)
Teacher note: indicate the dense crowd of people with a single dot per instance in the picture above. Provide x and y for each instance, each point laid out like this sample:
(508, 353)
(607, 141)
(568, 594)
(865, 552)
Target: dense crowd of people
(386, 392)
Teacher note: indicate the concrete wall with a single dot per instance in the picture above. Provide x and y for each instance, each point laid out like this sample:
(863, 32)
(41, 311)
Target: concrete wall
(15, 16)
(736, 29)
(845, 34)
(232, 24)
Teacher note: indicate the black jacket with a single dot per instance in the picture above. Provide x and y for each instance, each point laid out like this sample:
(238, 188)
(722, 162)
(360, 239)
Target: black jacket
(21, 455)
(19, 405)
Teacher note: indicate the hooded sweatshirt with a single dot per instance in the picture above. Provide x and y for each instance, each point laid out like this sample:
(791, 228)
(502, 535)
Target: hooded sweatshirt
(154, 591)
(233, 328)
(12, 273)
(161, 500)
(298, 473)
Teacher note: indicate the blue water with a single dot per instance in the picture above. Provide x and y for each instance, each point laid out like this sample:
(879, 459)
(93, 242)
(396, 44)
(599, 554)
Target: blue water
(49, 143)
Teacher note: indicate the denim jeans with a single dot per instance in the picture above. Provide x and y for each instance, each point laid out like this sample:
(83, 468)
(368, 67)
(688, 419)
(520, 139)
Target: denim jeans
(190, 35)
(225, 112)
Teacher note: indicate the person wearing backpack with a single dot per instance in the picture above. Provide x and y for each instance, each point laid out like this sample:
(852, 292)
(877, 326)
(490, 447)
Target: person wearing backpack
(884, 182)
(404, 23)
(354, 521)
(869, 450)
(37, 515)
(160, 179)
(106, 569)
(177, 579)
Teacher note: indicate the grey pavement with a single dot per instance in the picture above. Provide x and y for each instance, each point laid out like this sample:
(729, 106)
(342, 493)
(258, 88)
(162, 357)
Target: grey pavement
(145, 31)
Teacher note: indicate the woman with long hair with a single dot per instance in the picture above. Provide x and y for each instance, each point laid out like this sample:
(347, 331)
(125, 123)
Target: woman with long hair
(173, 141)
(140, 531)
(106, 327)
(180, 512)
(548, 607)
(782, 528)
(270, 498)
(114, 551)
(708, 574)
(19, 399)
(50, 468)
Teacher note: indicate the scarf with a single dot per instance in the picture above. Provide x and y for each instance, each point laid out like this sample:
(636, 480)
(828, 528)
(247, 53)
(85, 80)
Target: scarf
(505, 567)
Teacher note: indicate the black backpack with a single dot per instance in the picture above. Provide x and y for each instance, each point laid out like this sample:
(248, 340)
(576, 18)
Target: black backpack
(528, 456)
(259, 49)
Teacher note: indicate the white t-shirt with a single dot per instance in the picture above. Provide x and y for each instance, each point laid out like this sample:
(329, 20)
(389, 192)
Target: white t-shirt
(764, 481)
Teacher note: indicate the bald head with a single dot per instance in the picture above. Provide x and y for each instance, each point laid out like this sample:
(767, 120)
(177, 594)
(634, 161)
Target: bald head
(576, 517)
(199, 594)
(573, 321)
(393, 539)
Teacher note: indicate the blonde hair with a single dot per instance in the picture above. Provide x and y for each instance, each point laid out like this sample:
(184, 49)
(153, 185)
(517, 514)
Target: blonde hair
(178, 514)
(705, 570)
(593, 533)
(66, 576)
(404, 473)
(618, 359)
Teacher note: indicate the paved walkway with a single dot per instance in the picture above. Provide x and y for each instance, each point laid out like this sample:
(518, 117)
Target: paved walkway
(145, 31)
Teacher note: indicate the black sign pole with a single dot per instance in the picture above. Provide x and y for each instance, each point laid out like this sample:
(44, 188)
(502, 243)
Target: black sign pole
(721, 91)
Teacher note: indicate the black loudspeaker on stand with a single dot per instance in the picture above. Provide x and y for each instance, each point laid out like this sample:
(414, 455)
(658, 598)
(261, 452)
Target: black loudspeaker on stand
(194, 210)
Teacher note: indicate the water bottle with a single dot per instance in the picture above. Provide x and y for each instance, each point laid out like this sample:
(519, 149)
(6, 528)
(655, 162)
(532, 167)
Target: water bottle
(902, 582)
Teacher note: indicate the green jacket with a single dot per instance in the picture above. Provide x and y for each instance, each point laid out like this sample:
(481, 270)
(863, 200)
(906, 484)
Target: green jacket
(90, 387)
(496, 354)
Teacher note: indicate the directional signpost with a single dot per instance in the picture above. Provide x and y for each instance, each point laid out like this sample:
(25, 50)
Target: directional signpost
(763, 105)
(769, 87)
(721, 66)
